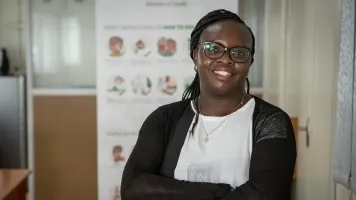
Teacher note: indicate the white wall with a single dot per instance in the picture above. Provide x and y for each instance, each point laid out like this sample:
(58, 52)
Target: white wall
(273, 59)
(13, 32)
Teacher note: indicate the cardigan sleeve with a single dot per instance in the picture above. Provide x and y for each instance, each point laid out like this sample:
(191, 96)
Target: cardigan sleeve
(272, 161)
(141, 176)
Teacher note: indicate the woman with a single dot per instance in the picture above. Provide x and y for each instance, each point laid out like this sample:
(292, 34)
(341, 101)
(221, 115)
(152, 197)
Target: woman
(219, 142)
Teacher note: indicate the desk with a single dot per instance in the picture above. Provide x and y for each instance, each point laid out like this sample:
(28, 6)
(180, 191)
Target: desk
(13, 184)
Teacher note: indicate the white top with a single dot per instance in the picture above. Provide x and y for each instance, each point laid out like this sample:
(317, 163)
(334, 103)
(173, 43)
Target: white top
(225, 157)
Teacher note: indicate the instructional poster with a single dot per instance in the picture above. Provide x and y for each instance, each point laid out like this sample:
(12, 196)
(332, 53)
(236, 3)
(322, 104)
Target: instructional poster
(143, 62)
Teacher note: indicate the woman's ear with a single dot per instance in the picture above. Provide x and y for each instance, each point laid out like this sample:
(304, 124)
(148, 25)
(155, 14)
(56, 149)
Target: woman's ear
(195, 56)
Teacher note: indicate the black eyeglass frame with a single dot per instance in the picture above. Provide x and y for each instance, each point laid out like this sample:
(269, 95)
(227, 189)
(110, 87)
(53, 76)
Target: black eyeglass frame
(226, 49)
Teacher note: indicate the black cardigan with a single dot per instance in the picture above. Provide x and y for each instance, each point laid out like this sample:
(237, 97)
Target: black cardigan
(149, 172)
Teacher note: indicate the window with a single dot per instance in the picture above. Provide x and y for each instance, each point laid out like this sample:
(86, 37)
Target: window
(253, 13)
(63, 38)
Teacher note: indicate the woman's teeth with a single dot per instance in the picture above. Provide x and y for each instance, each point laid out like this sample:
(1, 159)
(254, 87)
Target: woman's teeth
(223, 73)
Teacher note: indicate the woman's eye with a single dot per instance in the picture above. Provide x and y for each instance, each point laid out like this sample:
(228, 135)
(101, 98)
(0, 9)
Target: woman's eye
(210, 48)
(238, 54)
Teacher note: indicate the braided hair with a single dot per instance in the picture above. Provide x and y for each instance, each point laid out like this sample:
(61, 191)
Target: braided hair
(193, 91)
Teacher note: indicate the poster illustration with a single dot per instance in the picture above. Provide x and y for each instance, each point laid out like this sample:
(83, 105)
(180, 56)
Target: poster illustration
(142, 62)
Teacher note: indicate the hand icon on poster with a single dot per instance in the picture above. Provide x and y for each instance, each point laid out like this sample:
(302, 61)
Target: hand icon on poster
(141, 48)
(117, 154)
(116, 46)
(141, 85)
(166, 47)
(167, 85)
(117, 195)
(116, 85)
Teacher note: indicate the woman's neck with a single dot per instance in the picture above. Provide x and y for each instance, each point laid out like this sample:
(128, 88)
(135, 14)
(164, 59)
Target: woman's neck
(221, 106)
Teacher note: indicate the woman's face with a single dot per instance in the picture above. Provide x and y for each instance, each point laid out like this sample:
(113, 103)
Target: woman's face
(223, 75)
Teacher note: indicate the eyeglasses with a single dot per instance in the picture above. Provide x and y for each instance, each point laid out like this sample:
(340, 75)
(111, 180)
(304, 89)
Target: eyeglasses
(215, 51)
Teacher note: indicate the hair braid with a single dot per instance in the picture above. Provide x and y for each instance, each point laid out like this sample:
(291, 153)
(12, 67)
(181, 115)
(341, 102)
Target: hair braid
(196, 104)
(248, 86)
(193, 89)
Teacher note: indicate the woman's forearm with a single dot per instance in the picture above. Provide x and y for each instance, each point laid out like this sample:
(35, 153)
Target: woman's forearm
(155, 187)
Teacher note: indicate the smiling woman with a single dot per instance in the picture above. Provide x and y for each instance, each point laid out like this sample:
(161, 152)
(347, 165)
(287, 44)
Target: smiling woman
(219, 142)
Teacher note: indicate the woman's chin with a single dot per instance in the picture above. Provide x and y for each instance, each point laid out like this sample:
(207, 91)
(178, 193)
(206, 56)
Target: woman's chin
(223, 88)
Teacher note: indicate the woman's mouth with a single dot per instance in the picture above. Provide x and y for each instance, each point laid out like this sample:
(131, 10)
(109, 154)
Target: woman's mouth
(222, 73)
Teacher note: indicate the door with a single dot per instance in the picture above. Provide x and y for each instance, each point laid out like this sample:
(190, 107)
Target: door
(309, 89)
